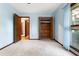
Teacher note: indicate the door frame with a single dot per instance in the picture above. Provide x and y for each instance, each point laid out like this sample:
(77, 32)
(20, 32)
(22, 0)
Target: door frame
(14, 28)
(14, 25)
(52, 25)
(29, 23)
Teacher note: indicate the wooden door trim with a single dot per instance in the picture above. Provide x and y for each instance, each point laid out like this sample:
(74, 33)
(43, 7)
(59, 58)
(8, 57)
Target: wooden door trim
(14, 25)
(52, 25)
(39, 26)
(27, 30)
(25, 17)
(29, 23)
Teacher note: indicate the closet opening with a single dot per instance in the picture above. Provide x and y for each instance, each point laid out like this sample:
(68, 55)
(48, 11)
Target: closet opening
(46, 27)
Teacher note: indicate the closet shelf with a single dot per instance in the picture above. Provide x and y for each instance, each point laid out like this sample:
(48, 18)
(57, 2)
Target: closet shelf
(44, 21)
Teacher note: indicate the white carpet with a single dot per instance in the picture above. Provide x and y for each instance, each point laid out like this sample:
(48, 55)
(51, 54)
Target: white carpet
(35, 48)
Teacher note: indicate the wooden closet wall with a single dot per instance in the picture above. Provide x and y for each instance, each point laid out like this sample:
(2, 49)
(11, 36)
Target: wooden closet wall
(45, 27)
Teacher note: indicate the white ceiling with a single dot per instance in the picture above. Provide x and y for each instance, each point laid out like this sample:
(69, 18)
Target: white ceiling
(35, 7)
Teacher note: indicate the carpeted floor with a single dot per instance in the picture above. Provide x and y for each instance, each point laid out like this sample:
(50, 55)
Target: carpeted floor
(35, 48)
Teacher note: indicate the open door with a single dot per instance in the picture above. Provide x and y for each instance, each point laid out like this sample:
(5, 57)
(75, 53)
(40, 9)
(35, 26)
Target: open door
(27, 29)
(17, 28)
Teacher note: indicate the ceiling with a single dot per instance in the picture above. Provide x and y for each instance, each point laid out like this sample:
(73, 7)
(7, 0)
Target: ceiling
(35, 7)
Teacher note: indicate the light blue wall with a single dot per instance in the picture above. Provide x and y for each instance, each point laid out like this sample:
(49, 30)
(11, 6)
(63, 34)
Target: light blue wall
(67, 23)
(6, 24)
(59, 24)
(34, 23)
(62, 23)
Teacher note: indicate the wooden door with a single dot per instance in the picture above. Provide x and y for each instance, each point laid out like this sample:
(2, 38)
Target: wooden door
(27, 28)
(17, 28)
(45, 28)
(51, 27)
(44, 31)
